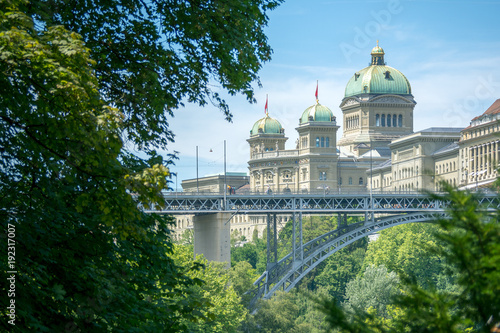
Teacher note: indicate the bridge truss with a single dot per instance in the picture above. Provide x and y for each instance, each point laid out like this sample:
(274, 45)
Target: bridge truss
(380, 211)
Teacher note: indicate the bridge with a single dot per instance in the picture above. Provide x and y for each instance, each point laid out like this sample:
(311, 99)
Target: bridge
(377, 211)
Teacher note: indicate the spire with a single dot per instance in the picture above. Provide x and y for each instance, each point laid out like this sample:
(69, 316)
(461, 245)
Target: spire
(377, 55)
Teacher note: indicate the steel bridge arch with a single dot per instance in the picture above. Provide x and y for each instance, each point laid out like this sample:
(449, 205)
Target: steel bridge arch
(287, 272)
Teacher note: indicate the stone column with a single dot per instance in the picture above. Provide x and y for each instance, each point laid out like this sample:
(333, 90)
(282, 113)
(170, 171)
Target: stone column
(297, 178)
(496, 155)
(489, 158)
(276, 180)
(212, 236)
(476, 159)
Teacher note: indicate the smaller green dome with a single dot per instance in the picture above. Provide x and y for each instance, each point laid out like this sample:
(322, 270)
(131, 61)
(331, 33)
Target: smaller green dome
(317, 112)
(267, 125)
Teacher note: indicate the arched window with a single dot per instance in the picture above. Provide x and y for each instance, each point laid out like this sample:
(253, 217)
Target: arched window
(322, 141)
(394, 121)
(360, 180)
(350, 180)
(400, 120)
(389, 120)
(377, 120)
(327, 143)
(317, 141)
(383, 120)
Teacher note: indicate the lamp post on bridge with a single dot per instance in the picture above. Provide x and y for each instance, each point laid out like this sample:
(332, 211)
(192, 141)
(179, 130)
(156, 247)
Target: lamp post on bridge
(197, 178)
(225, 180)
(175, 174)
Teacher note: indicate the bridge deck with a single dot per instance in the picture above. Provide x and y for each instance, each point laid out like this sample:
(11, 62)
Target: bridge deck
(379, 203)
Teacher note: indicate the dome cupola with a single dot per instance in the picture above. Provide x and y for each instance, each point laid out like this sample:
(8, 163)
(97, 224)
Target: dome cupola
(378, 78)
(317, 113)
(378, 55)
(267, 125)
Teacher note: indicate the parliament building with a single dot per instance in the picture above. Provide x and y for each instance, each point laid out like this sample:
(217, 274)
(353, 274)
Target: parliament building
(378, 150)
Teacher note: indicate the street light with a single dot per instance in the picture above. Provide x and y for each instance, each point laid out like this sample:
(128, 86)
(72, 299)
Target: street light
(175, 174)
(225, 181)
(197, 180)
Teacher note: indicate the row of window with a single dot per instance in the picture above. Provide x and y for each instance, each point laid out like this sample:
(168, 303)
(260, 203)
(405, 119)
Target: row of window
(406, 173)
(322, 141)
(481, 132)
(442, 168)
(350, 182)
(352, 122)
(388, 120)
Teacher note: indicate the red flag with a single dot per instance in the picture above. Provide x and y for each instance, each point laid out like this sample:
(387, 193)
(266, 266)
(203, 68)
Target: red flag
(316, 90)
(265, 109)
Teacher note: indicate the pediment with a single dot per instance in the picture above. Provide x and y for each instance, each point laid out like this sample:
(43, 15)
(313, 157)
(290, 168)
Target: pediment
(391, 99)
(349, 102)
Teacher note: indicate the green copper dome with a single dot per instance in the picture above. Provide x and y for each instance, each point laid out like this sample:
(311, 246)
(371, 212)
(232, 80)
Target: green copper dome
(378, 78)
(267, 125)
(317, 112)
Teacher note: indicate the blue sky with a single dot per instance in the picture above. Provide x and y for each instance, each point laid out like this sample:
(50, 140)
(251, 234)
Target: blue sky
(448, 50)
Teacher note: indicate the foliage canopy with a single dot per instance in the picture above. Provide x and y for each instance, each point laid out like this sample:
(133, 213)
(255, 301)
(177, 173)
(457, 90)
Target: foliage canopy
(79, 80)
(469, 241)
(153, 56)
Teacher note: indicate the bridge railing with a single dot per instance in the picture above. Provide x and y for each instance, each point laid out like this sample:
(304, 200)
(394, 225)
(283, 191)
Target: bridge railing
(287, 192)
(309, 203)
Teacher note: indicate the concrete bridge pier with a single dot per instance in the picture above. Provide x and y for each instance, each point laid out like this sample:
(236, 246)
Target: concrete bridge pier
(212, 236)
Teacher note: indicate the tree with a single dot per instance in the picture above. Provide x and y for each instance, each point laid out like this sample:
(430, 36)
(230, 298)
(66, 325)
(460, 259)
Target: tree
(406, 250)
(222, 311)
(376, 289)
(86, 257)
(153, 56)
(242, 276)
(247, 253)
(288, 312)
(341, 268)
(84, 253)
(469, 240)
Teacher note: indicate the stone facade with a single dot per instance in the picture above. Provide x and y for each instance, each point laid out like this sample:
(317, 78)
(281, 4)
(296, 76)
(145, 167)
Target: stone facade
(418, 161)
(215, 183)
(479, 147)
